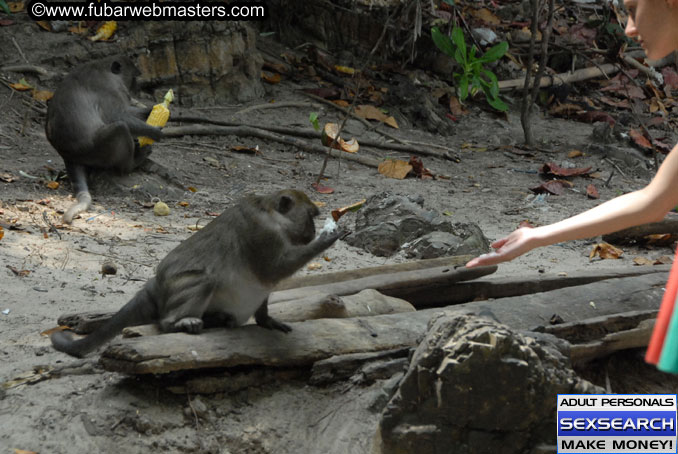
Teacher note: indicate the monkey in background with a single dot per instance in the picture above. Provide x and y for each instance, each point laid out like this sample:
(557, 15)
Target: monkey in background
(92, 124)
(223, 274)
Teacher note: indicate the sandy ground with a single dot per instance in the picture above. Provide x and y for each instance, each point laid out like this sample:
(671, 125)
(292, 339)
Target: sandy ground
(94, 411)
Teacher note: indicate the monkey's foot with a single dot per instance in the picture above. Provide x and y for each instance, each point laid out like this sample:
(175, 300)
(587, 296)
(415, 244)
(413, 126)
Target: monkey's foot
(191, 325)
(271, 323)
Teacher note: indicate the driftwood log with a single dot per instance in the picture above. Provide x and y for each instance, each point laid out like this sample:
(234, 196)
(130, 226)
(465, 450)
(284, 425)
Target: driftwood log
(314, 340)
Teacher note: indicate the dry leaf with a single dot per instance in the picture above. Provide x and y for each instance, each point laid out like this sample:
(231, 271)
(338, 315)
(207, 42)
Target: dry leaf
(42, 95)
(16, 7)
(525, 224)
(183, 204)
(642, 261)
(551, 168)
(45, 25)
(192, 189)
(53, 185)
(2, 233)
(21, 86)
(314, 266)
(663, 260)
(19, 273)
(7, 178)
(395, 168)
(592, 192)
(322, 189)
(271, 78)
(575, 154)
(605, 251)
(329, 134)
(456, 108)
(486, 16)
(419, 170)
(336, 214)
(341, 103)
(640, 139)
(555, 187)
(373, 113)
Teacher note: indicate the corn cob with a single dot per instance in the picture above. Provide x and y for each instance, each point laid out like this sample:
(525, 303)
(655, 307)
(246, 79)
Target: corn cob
(105, 31)
(158, 116)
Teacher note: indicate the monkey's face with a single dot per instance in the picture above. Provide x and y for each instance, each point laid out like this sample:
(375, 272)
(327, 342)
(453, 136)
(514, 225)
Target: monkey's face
(299, 211)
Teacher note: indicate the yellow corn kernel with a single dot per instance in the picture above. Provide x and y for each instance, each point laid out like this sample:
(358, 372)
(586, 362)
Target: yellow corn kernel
(105, 31)
(158, 116)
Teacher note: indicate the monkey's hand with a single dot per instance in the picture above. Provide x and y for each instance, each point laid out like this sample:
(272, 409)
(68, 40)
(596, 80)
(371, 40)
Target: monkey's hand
(328, 237)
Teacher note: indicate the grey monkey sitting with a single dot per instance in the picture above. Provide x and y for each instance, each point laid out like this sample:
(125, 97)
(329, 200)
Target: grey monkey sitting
(223, 274)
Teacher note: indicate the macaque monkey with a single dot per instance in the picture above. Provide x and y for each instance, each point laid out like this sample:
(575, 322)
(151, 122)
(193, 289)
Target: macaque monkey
(223, 274)
(91, 124)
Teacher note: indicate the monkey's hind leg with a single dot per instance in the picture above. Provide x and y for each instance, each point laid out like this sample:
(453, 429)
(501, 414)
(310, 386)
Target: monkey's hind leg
(266, 321)
(189, 297)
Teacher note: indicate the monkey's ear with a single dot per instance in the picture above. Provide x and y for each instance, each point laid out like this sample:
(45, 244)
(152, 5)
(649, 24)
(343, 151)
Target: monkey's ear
(285, 204)
(116, 67)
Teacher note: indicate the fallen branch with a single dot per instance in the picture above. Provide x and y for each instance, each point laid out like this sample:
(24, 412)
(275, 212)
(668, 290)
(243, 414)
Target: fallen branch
(246, 131)
(409, 146)
(563, 78)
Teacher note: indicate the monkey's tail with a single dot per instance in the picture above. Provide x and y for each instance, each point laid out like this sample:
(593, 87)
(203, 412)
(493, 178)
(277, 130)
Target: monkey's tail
(78, 177)
(139, 310)
(84, 199)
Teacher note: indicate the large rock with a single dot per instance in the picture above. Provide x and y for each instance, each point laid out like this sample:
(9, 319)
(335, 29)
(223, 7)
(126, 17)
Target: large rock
(388, 221)
(476, 386)
(206, 63)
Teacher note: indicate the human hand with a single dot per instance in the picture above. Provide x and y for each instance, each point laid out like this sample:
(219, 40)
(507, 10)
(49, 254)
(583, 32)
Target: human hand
(507, 248)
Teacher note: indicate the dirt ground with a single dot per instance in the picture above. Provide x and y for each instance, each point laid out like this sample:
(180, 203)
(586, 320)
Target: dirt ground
(90, 410)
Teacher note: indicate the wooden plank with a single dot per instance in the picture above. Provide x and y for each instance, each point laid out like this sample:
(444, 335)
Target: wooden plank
(347, 275)
(482, 289)
(391, 284)
(311, 341)
(632, 338)
(436, 293)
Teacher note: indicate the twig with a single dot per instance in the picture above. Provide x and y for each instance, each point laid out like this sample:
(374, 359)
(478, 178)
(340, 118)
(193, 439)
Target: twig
(50, 225)
(21, 52)
(275, 106)
(609, 179)
(27, 69)
(615, 166)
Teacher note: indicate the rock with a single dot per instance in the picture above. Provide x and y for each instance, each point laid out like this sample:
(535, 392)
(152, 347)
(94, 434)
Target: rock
(468, 239)
(387, 221)
(476, 386)
(109, 268)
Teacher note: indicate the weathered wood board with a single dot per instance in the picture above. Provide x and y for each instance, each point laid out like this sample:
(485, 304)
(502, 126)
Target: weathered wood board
(314, 340)
(392, 284)
(481, 289)
(347, 275)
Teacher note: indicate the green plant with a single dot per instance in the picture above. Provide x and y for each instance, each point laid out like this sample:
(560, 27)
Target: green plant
(473, 76)
(4, 7)
(313, 118)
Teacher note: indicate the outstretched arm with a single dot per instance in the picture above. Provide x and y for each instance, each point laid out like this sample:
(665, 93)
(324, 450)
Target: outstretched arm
(649, 204)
